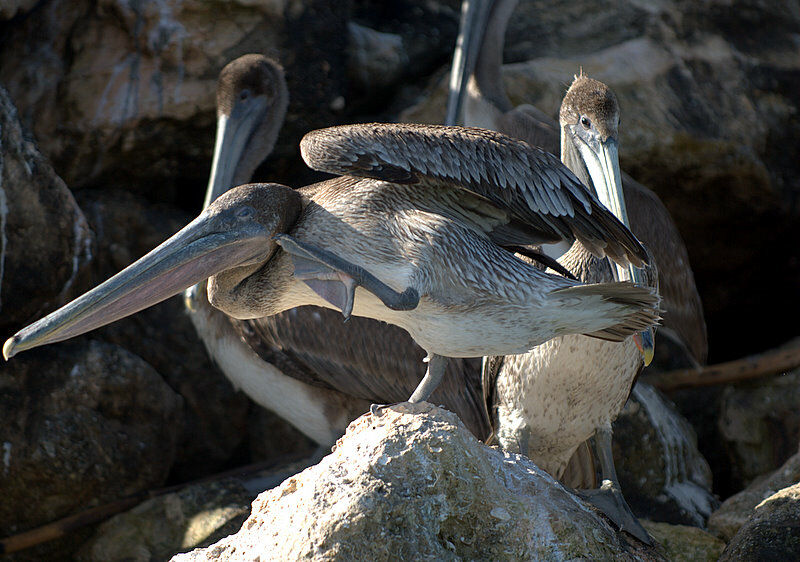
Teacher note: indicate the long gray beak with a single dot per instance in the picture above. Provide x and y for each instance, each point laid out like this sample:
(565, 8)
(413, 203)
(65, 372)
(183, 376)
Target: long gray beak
(602, 161)
(233, 134)
(195, 253)
(474, 14)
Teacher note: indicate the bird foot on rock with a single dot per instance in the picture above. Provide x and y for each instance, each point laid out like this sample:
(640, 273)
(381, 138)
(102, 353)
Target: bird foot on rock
(608, 499)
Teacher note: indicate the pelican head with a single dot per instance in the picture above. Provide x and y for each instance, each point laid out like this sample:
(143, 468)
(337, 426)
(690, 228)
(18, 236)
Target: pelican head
(251, 103)
(228, 241)
(589, 120)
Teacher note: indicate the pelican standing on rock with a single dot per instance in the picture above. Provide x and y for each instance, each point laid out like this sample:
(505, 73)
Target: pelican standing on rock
(548, 402)
(414, 237)
(306, 365)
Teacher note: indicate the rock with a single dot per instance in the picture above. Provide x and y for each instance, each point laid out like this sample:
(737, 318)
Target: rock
(667, 479)
(270, 437)
(377, 60)
(413, 483)
(759, 425)
(81, 423)
(737, 509)
(685, 544)
(12, 8)
(772, 533)
(195, 516)
(127, 227)
(102, 115)
(45, 242)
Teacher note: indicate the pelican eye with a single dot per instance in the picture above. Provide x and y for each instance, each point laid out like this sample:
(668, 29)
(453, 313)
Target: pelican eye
(586, 122)
(244, 213)
(244, 94)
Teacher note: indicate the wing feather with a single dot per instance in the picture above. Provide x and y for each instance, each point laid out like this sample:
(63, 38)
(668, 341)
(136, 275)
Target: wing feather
(531, 184)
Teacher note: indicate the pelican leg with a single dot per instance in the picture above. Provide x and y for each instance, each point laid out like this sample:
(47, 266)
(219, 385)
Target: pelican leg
(433, 376)
(608, 498)
(335, 279)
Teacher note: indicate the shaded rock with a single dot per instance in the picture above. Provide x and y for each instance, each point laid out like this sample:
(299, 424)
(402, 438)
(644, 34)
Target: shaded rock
(772, 533)
(45, 242)
(192, 517)
(12, 8)
(661, 472)
(737, 509)
(414, 483)
(270, 437)
(759, 425)
(163, 526)
(127, 227)
(685, 544)
(377, 60)
(81, 423)
(102, 115)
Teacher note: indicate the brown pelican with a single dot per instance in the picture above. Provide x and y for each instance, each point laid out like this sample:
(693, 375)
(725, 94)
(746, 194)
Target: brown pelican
(252, 99)
(412, 237)
(306, 365)
(485, 104)
(548, 402)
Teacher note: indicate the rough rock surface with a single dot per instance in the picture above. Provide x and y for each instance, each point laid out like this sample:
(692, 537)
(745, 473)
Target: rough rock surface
(737, 509)
(772, 533)
(413, 483)
(45, 242)
(81, 423)
(685, 544)
(103, 114)
(759, 423)
(127, 227)
(11, 8)
(195, 516)
(666, 479)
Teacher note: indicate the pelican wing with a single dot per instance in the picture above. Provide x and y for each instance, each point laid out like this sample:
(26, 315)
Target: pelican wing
(363, 358)
(683, 311)
(530, 184)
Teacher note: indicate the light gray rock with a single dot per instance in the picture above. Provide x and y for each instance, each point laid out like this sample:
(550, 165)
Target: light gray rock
(377, 59)
(138, 113)
(413, 483)
(737, 509)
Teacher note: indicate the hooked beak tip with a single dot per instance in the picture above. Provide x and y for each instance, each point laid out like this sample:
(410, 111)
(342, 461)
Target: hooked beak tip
(646, 345)
(8, 348)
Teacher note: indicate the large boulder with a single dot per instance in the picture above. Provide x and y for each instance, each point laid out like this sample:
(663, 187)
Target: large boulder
(759, 425)
(667, 479)
(45, 241)
(737, 509)
(127, 227)
(772, 533)
(139, 112)
(412, 482)
(81, 423)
